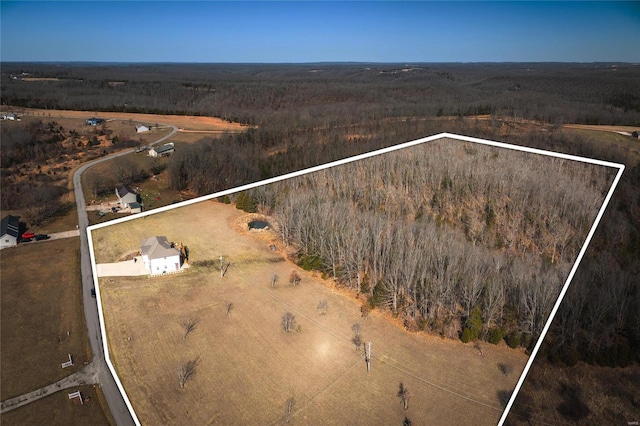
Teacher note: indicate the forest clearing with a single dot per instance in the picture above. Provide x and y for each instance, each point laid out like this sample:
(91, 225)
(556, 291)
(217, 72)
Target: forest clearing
(249, 367)
(227, 321)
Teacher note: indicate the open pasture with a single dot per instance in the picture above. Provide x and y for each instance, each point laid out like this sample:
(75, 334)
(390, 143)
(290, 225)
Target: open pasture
(248, 366)
(41, 315)
(57, 409)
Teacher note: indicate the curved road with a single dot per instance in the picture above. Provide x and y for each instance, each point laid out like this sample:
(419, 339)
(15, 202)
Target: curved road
(107, 383)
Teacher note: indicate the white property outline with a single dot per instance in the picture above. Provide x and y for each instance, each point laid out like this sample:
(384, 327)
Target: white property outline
(564, 289)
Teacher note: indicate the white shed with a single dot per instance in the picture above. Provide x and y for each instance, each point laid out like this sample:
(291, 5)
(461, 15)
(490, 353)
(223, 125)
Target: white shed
(160, 256)
(160, 151)
(141, 129)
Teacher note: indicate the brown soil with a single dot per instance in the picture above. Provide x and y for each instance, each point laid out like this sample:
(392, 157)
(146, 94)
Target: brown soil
(249, 366)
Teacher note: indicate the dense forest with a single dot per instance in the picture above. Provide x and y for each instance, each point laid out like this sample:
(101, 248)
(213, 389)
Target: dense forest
(287, 97)
(457, 238)
(314, 113)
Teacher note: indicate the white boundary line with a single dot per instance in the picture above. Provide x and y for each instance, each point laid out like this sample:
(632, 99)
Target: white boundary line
(620, 168)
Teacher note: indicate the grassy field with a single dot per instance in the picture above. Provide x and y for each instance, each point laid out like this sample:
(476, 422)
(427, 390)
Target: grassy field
(249, 366)
(57, 409)
(609, 138)
(180, 121)
(41, 301)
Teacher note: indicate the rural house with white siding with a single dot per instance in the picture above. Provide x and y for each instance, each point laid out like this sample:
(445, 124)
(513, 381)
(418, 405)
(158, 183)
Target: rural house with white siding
(160, 256)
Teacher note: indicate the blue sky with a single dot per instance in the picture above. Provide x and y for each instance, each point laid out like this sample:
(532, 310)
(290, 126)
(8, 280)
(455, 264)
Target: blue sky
(381, 31)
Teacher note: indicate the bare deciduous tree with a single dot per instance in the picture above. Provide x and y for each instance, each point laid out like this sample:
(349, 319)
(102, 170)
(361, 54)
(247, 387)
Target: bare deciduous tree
(288, 322)
(357, 341)
(356, 329)
(228, 307)
(291, 402)
(404, 395)
(294, 278)
(364, 311)
(274, 280)
(188, 371)
(189, 325)
(323, 307)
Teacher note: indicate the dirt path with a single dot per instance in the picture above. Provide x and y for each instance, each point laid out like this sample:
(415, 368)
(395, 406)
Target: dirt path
(87, 376)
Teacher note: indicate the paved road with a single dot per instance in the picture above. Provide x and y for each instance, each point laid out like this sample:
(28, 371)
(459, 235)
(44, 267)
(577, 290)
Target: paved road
(96, 371)
(107, 383)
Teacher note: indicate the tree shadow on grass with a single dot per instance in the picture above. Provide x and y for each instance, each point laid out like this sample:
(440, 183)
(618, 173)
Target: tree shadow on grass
(572, 407)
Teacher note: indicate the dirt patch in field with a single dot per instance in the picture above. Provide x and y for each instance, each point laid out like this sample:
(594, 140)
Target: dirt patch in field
(248, 366)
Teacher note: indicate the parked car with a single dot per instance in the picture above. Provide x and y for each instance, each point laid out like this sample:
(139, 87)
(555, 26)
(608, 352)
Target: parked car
(40, 237)
(28, 235)
(24, 240)
(93, 292)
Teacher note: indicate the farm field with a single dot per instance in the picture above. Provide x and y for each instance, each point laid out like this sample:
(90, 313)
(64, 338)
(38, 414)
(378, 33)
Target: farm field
(248, 366)
(57, 409)
(40, 302)
(181, 121)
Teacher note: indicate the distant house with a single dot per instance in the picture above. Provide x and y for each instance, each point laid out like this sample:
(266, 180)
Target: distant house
(94, 121)
(9, 231)
(160, 256)
(163, 150)
(9, 116)
(142, 129)
(126, 196)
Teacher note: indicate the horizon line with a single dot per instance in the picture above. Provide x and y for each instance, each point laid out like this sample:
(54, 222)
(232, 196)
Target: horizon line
(405, 63)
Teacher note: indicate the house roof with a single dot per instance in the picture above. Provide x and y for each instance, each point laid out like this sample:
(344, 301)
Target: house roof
(10, 226)
(157, 248)
(164, 148)
(124, 190)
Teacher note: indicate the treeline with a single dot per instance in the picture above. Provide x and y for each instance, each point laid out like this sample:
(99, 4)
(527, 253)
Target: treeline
(611, 261)
(312, 114)
(397, 229)
(303, 96)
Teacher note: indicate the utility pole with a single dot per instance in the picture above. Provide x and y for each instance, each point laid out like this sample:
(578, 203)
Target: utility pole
(367, 356)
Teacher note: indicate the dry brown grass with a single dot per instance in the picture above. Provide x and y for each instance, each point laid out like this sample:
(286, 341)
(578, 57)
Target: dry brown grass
(41, 300)
(57, 409)
(554, 394)
(249, 366)
(181, 121)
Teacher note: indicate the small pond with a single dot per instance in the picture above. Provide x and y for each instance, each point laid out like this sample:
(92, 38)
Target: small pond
(258, 224)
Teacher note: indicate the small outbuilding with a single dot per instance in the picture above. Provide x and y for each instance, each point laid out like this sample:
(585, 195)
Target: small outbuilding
(9, 116)
(10, 231)
(142, 129)
(160, 256)
(636, 134)
(164, 150)
(94, 121)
